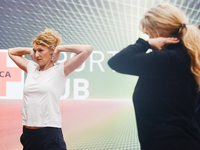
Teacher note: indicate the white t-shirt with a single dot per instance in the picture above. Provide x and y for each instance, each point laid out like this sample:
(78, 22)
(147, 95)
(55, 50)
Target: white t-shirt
(42, 92)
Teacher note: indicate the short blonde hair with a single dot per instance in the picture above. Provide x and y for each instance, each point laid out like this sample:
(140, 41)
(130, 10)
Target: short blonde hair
(48, 38)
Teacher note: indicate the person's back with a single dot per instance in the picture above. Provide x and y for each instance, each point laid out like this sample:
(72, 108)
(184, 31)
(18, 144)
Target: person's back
(197, 114)
(164, 104)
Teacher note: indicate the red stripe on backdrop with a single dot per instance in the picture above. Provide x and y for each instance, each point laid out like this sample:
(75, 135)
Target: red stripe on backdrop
(7, 73)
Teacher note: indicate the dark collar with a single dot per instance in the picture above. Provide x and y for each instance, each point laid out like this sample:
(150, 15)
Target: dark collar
(171, 46)
(179, 44)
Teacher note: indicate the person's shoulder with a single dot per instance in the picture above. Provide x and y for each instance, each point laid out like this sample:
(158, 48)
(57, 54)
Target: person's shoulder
(32, 65)
(57, 65)
(178, 53)
(59, 69)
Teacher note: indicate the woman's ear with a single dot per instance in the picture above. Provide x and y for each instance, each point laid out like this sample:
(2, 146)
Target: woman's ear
(198, 27)
(52, 48)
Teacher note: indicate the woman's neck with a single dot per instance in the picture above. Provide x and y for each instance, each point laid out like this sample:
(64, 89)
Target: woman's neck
(47, 66)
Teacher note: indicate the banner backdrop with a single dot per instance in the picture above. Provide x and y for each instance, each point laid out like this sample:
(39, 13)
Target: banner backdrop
(97, 108)
(107, 25)
(93, 79)
(11, 78)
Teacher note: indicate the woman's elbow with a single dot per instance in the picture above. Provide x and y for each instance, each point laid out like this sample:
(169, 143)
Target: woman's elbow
(89, 49)
(116, 65)
(112, 64)
(10, 52)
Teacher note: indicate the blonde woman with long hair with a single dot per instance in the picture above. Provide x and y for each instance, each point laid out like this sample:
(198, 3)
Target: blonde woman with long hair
(165, 96)
(45, 82)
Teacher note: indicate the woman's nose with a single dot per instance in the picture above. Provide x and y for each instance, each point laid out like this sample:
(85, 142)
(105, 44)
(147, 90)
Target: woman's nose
(36, 54)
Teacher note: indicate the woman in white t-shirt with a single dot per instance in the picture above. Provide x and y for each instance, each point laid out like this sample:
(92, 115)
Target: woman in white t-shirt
(41, 117)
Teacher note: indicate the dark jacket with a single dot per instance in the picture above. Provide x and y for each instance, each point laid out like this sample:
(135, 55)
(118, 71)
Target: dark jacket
(197, 115)
(164, 97)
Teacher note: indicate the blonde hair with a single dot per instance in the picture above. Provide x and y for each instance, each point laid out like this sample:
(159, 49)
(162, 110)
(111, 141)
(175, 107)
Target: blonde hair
(166, 19)
(48, 38)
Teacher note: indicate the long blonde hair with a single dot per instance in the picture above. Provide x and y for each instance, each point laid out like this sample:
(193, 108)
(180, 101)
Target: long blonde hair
(48, 38)
(166, 19)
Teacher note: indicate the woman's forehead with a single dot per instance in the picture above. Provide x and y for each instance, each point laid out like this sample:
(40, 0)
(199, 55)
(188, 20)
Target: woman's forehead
(37, 46)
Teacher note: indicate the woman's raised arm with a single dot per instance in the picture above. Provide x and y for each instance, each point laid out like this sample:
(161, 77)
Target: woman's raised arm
(16, 54)
(82, 53)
